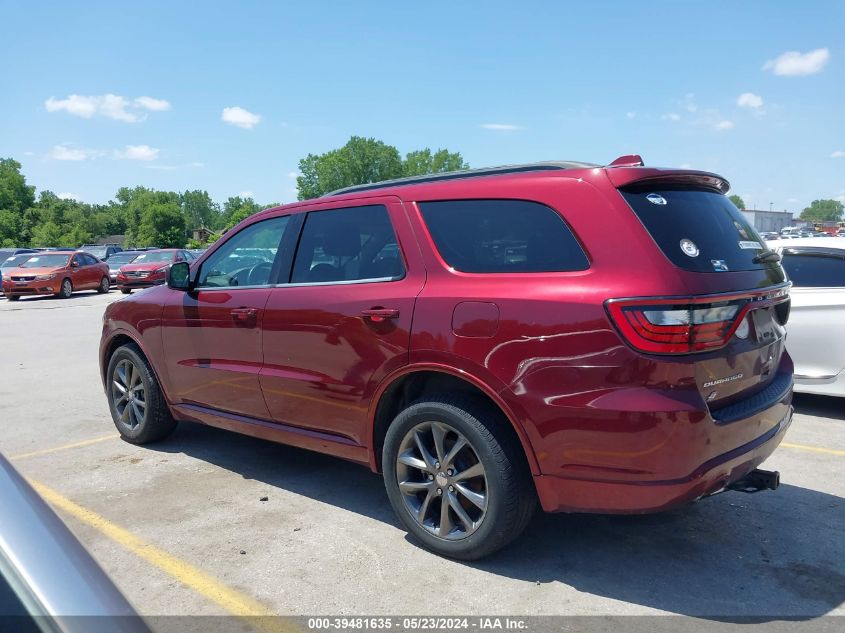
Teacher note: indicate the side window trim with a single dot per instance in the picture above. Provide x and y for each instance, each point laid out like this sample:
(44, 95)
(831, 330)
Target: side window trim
(304, 217)
(283, 265)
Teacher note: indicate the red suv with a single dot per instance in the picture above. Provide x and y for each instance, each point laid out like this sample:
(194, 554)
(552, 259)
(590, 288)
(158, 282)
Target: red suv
(598, 339)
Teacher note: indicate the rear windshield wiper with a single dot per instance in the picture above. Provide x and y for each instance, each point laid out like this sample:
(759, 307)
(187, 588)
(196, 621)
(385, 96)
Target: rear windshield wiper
(766, 257)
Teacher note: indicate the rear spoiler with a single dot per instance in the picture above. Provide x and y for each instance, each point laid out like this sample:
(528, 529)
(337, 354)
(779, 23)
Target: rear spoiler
(626, 176)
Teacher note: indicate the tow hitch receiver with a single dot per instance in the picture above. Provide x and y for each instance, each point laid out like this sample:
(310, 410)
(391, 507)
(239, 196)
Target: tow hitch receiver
(757, 480)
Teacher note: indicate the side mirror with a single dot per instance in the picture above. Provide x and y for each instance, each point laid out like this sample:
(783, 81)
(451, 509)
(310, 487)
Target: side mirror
(74, 264)
(179, 276)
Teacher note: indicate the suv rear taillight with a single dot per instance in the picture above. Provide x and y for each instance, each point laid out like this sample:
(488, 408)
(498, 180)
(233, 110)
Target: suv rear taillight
(658, 327)
(683, 325)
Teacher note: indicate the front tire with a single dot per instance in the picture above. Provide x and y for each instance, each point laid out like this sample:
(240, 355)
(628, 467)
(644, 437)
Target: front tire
(13, 297)
(66, 289)
(456, 477)
(125, 291)
(136, 402)
(105, 286)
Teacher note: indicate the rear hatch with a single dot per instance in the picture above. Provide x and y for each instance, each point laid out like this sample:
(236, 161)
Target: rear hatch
(733, 323)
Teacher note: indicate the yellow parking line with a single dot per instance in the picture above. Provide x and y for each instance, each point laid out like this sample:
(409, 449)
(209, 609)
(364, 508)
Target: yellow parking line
(63, 447)
(207, 586)
(815, 449)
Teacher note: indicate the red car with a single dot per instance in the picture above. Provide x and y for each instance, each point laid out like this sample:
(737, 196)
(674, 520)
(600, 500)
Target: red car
(59, 273)
(483, 340)
(149, 269)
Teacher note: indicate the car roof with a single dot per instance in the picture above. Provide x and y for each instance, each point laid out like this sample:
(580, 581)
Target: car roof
(624, 171)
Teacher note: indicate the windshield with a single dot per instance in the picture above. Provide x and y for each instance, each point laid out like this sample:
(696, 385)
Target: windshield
(122, 258)
(15, 260)
(153, 257)
(46, 261)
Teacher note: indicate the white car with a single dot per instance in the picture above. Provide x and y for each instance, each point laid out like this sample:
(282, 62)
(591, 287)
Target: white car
(816, 328)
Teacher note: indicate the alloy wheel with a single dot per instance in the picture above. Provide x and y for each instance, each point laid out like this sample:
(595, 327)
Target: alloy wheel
(442, 481)
(128, 394)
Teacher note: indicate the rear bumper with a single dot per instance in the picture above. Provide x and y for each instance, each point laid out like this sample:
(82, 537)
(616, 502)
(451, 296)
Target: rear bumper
(559, 494)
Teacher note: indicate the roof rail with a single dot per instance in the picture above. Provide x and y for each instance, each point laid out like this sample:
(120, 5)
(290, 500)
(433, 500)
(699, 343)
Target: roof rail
(466, 173)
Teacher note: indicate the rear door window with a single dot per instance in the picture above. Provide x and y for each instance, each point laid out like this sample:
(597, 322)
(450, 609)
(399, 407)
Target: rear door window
(698, 230)
(502, 236)
(815, 270)
(351, 244)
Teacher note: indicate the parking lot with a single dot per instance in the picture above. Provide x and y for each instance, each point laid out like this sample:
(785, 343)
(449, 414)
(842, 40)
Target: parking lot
(181, 528)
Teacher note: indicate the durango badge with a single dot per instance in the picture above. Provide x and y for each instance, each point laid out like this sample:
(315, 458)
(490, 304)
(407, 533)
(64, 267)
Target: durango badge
(721, 381)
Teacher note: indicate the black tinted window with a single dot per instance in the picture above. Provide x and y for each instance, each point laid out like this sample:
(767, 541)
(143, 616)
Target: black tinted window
(492, 236)
(347, 245)
(817, 271)
(720, 235)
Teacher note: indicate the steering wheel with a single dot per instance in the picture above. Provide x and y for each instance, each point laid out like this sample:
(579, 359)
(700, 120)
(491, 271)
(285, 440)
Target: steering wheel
(260, 274)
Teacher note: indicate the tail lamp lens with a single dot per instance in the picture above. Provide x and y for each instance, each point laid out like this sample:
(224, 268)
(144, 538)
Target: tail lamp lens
(676, 328)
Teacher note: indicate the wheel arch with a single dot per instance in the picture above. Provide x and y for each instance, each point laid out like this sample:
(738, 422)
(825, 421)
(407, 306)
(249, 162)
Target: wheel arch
(411, 383)
(120, 338)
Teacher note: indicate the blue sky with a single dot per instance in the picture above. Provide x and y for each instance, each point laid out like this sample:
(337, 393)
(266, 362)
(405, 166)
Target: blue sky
(499, 82)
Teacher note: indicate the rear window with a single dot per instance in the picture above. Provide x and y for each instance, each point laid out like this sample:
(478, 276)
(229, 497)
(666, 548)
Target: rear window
(502, 236)
(701, 231)
(814, 270)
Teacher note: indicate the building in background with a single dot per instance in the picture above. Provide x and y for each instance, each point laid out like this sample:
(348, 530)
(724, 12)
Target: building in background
(764, 221)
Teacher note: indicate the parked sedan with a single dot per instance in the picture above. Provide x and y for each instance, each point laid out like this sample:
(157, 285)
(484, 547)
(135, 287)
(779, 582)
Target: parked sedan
(11, 258)
(149, 269)
(120, 259)
(56, 273)
(816, 337)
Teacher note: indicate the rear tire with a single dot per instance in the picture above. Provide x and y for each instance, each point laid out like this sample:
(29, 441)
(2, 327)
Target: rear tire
(125, 291)
(13, 297)
(136, 401)
(486, 484)
(105, 286)
(66, 289)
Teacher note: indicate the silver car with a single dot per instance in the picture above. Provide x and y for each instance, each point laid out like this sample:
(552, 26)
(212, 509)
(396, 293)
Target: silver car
(816, 328)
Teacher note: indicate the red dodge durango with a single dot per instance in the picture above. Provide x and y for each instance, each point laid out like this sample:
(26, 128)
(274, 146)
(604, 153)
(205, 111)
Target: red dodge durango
(580, 337)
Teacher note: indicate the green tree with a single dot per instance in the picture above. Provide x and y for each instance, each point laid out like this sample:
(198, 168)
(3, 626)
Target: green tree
(236, 209)
(424, 162)
(47, 234)
(163, 225)
(199, 209)
(360, 161)
(15, 198)
(738, 202)
(823, 211)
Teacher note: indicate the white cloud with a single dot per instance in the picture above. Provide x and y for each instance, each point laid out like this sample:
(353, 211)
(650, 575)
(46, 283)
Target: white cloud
(68, 196)
(724, 124)
(671, 116)
(240, 117)
(750, 100)
(108, 105)
(63, 152)
(793, 63)
(838, 154)
(630, 115)
(150, 103)
(137, 152)
(501, 127)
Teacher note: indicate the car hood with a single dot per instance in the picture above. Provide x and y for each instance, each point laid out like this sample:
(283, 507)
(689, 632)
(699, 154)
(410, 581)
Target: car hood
(151, 266)
(31, 271)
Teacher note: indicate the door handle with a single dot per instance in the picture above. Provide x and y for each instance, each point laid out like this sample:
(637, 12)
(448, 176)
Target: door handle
(243, 314)
(379, 315)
